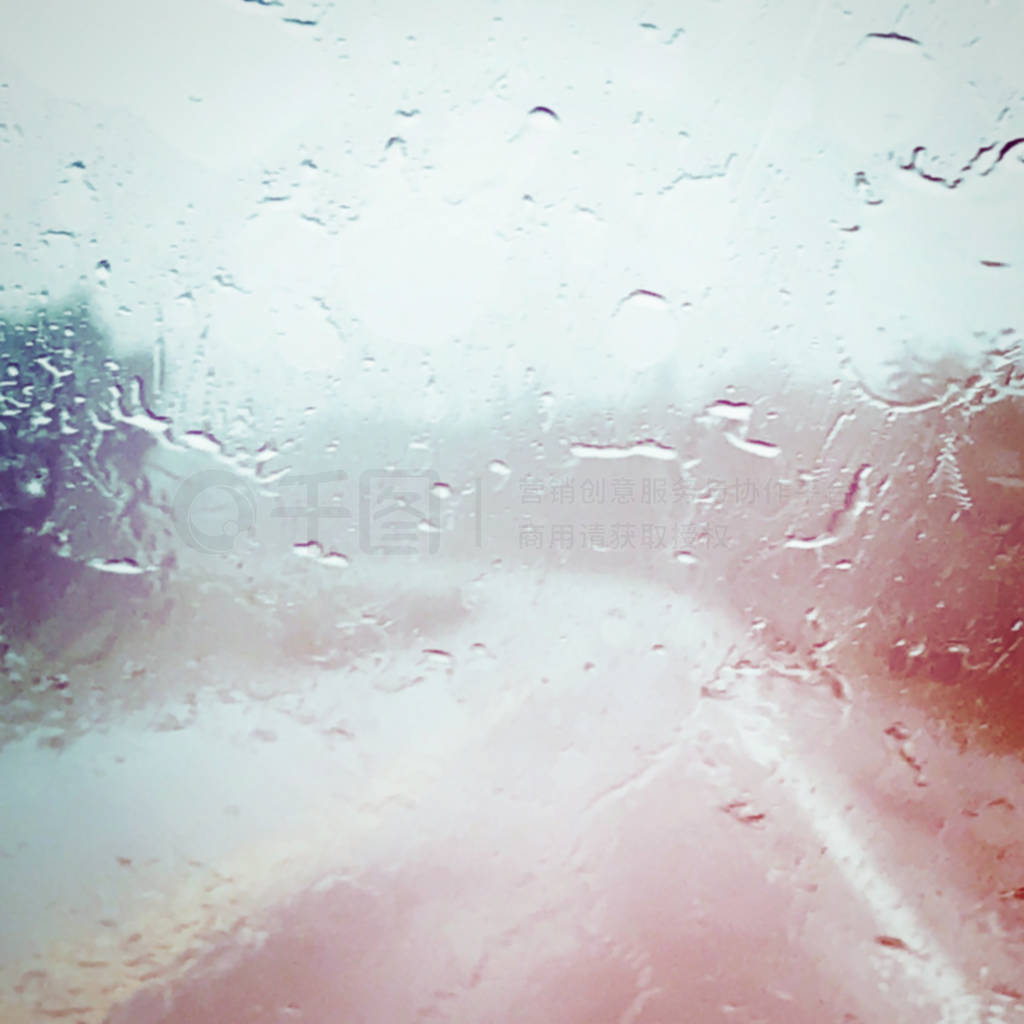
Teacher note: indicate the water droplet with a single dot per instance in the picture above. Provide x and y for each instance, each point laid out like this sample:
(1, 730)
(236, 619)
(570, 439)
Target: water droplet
(744, 813)
(201, 442)
(645, 449)
(117, 566)
(439, 657)
(762, 449)
(686, 558)
(739, 412)
(546, 404)
(645, 298)
(35, 486)
(898, 731)
(543, 115)
(499, 468)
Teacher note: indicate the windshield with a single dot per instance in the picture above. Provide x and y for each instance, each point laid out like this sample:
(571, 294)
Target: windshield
(511, 514)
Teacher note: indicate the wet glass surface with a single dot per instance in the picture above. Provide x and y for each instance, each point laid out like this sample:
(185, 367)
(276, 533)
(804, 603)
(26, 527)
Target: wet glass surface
(511, 514)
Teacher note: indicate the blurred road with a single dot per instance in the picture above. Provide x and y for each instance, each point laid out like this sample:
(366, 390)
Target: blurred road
(632, 815)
